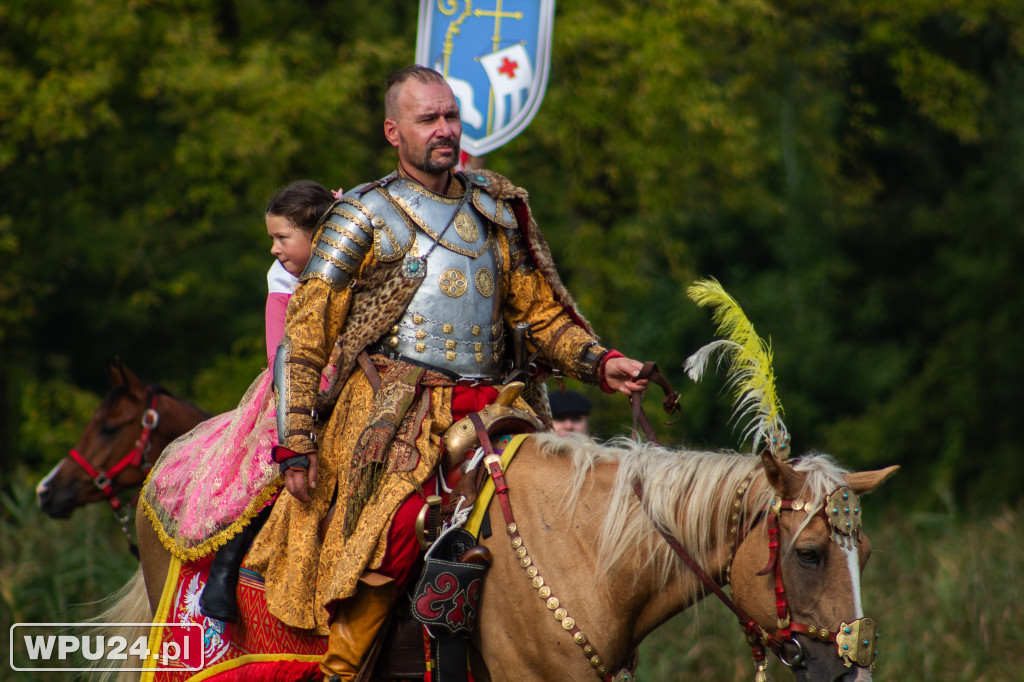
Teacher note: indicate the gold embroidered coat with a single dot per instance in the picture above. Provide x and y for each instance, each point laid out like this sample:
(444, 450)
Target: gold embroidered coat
(304, 575)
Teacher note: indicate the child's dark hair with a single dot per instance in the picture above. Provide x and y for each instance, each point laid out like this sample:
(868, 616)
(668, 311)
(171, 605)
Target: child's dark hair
(303, 203)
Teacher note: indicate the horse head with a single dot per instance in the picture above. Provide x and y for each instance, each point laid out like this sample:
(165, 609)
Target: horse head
(801, 583)
(126, 434)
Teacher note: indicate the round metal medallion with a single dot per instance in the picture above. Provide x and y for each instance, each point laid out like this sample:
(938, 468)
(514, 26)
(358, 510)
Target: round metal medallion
(484, 282)
(466, 228)
(453, 283)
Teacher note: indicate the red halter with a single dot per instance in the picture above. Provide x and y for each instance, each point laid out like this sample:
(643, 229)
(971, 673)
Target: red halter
(104, 480)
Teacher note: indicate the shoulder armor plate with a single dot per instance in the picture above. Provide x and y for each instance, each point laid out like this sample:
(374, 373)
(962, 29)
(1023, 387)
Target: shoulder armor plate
(340, 245)
(393, 232)
(495, 210)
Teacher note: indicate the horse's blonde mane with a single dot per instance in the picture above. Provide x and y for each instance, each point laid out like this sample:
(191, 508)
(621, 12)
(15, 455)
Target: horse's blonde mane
(688, 493)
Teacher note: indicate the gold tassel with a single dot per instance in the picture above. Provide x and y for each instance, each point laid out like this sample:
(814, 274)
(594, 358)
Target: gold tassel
(762, 672)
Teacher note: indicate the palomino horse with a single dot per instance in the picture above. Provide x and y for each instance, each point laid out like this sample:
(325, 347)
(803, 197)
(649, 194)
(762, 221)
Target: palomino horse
(590, 572)
(126, 434)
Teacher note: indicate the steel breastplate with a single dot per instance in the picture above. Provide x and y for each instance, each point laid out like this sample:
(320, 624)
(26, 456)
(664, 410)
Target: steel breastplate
(453, 321)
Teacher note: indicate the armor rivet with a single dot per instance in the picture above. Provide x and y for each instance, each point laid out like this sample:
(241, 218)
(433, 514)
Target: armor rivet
(479, 357)
(553, 603)
(823, 635)
(525, 561)
(595, 661)
(560, 614)
(476, 330)
(377, 221)
(517, 541)
(520, 552)
(602, 671)
(544, 592)
(589, 650)
(580, 638)
(394, 329)
(421, 347)
(531, 572)
(448, 328)
(420, 334)
(538, 582)
(510, 528)
(393, 342)
(812, 630)
(418, 319)
(449, 344)
(568, 623)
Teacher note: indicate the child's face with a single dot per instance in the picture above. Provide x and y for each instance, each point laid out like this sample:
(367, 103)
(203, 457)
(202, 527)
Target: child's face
(291, 246)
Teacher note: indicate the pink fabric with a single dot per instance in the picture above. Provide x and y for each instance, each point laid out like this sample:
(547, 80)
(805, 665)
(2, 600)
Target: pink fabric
(277, 305)
(208, 477)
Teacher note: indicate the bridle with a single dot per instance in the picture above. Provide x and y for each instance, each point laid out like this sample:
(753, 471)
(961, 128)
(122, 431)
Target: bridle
(855, 641)
(104, 480)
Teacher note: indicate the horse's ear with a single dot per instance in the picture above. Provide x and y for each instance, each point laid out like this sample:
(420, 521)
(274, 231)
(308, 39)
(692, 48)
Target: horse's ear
(115, 372)
(130, 379)
(865, 481)
(781, 476)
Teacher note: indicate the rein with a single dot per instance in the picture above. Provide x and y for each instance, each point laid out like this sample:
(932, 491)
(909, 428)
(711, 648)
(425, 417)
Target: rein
(854, 642)
(104, 480)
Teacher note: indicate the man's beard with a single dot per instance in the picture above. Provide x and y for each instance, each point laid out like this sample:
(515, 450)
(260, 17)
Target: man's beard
(429, 165)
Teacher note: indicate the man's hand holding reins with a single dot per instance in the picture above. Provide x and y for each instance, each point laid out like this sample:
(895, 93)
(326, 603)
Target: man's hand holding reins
(620, 375)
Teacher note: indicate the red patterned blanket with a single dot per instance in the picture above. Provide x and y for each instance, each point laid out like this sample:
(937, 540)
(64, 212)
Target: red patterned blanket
(257, 648)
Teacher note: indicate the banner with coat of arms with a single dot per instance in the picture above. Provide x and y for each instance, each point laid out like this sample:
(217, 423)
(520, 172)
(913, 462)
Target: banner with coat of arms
(495, 55)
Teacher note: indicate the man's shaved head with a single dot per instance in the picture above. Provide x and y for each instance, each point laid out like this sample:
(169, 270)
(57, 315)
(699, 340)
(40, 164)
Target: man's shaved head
(398, 78)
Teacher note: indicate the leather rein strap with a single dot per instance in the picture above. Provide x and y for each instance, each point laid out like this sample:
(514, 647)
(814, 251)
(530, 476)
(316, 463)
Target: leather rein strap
(670, 403)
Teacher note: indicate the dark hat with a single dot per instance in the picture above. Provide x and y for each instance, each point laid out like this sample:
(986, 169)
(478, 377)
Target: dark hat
(568, 404)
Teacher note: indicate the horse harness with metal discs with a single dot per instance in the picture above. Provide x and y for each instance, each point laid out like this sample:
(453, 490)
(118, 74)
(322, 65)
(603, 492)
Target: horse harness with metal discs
(493, 463)
(855, 642)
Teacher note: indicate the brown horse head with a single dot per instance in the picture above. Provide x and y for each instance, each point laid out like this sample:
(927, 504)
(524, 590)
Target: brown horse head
(126, 434)
(816, 564)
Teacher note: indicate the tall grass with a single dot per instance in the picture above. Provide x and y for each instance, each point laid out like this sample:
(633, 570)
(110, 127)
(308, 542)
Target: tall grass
(947, 593)
(52, 570)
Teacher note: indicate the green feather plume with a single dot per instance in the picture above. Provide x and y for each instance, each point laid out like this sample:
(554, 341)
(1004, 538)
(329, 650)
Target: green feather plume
(750, 372)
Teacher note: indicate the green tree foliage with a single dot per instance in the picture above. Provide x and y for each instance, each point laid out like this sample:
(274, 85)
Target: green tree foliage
(849, 170)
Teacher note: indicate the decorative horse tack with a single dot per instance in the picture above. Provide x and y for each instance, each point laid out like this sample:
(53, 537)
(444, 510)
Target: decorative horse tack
(104, 480)
(493, 463)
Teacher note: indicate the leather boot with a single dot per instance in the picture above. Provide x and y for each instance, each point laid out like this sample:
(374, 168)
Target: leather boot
(355, 626)
(218, 599)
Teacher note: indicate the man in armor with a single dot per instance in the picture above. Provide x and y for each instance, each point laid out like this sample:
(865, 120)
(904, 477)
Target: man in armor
(415, 281)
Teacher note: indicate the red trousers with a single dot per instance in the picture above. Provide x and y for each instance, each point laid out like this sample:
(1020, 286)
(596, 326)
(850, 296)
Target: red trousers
(403, 547)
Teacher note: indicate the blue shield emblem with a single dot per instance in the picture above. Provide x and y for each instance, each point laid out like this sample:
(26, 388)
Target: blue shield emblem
(495, 55)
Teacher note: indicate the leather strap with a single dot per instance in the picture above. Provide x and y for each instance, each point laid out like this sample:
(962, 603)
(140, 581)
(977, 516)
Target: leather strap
(670, 403)
(369, 369)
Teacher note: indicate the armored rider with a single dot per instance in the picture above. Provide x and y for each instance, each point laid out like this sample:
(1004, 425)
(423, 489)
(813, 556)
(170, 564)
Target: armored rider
(415, 281)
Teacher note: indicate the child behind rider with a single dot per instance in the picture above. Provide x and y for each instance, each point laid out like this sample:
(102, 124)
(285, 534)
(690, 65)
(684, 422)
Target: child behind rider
(211, 489)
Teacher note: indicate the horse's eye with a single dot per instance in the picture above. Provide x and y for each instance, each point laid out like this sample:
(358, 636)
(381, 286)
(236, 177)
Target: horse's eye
(108, 430)
(808, 557)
